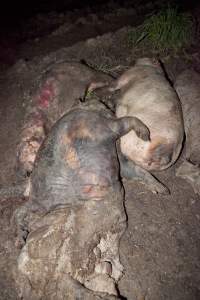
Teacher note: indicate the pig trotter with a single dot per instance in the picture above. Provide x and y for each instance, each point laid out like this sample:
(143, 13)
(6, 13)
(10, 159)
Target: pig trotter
(130, 171)
(123, 125)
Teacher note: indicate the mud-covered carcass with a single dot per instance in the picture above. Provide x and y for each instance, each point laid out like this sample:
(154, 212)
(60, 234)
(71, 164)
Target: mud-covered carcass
(75, 217)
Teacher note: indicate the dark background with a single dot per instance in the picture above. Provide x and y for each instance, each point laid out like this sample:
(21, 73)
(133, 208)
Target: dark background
(14, 10)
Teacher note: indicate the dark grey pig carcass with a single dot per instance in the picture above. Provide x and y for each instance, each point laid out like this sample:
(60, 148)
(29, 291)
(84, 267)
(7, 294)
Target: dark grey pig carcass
(75, 215)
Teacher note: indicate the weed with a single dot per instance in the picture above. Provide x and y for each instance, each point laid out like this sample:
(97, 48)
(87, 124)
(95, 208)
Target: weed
(167, 30)
(89, 94)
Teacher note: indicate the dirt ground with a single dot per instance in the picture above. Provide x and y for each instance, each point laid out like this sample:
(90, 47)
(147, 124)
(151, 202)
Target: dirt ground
(161, 247)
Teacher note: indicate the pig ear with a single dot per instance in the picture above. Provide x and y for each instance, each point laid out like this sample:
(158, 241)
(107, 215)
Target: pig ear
(123, 125)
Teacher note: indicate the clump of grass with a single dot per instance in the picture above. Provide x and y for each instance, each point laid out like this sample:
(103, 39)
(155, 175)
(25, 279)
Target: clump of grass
(167, 30)
(89, 94)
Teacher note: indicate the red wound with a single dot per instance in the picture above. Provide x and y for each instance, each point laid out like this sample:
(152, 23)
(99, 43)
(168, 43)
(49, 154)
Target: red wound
(46, 95)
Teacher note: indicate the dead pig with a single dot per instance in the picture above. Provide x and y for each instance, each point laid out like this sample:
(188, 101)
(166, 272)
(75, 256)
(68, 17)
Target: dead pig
(67, 80)
(79, 156)
(76, 207)
(146, 94)
(187, 85)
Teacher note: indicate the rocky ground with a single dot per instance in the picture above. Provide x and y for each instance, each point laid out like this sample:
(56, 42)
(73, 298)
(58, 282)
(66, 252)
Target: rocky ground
(160, 249)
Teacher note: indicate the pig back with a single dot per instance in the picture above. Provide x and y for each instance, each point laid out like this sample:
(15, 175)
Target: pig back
(77, 162)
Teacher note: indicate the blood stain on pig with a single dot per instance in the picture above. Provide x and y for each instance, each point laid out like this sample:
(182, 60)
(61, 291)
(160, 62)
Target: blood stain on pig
(95, 192)
(94, 186)
(46, 95)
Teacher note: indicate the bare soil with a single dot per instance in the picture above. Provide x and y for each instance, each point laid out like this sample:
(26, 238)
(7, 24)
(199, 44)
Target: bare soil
(161, 247)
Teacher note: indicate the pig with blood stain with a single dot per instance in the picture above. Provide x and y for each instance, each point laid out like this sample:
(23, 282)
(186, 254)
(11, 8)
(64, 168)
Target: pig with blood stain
(61, 86)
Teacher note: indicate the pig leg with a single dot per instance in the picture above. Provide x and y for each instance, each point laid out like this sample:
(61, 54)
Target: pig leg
(96, 85)
(123, 125)
(112, 86)
(130, 171)
(102, 91)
